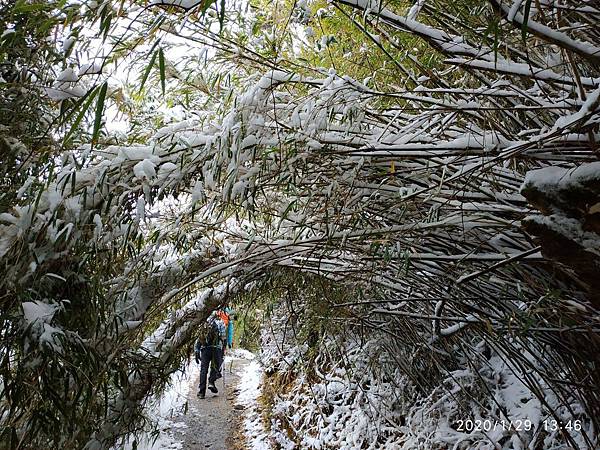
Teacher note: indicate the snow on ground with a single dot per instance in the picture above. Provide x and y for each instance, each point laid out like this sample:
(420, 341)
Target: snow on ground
(250, 390)
(165, 410)
(162, 411)
(238, 353)
(364, 400)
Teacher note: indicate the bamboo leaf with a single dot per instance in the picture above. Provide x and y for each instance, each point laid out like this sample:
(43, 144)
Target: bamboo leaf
(525, 19)
(73, 182)
(148, 67)
(99, 113)
(105, 26)
(205, 4)
(161, 68)
(86, 106)
(221, 15)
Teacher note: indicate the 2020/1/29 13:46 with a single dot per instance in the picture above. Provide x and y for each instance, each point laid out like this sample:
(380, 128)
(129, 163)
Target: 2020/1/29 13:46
(470, 425)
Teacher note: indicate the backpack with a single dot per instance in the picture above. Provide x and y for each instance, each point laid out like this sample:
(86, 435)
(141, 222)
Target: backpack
(208, 333)
(221, 314)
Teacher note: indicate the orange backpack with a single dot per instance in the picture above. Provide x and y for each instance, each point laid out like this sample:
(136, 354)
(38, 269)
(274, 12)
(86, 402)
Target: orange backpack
(223, 316)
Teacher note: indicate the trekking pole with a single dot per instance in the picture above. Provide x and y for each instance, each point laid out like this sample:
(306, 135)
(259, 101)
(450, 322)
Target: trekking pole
(223, 366)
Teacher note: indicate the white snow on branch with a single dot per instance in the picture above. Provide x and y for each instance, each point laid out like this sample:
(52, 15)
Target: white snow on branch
(552, 179)
(522, 69)
(415, 9)
(38, 311)
(590, 106)
(554, 36)
(185, 4)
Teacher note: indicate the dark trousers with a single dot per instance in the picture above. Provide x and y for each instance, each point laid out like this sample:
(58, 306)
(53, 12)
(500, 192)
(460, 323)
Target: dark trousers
(212, 356)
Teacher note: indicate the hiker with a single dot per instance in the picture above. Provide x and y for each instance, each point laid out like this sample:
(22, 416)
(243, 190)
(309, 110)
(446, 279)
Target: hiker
(209, 351)
(227, 316)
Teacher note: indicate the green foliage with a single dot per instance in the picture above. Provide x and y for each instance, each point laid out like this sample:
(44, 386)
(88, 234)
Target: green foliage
(248, 323)
(25, 116)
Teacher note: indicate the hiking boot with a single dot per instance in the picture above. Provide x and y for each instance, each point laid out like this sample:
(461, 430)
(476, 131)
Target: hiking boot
(212, 388)
(201, 395)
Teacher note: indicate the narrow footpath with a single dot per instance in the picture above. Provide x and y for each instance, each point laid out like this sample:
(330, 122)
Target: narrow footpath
(213, 422)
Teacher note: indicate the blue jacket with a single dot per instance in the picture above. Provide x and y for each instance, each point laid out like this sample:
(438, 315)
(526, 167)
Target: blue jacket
(229, 327)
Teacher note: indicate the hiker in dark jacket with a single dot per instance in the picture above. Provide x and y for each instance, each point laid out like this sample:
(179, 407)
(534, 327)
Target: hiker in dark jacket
(209, 351)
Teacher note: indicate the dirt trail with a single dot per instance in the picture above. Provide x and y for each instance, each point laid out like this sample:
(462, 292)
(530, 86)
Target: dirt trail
(211, 423)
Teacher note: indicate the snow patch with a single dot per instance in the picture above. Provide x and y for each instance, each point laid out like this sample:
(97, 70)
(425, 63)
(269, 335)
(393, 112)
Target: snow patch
(162, 412)
(250, 390)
